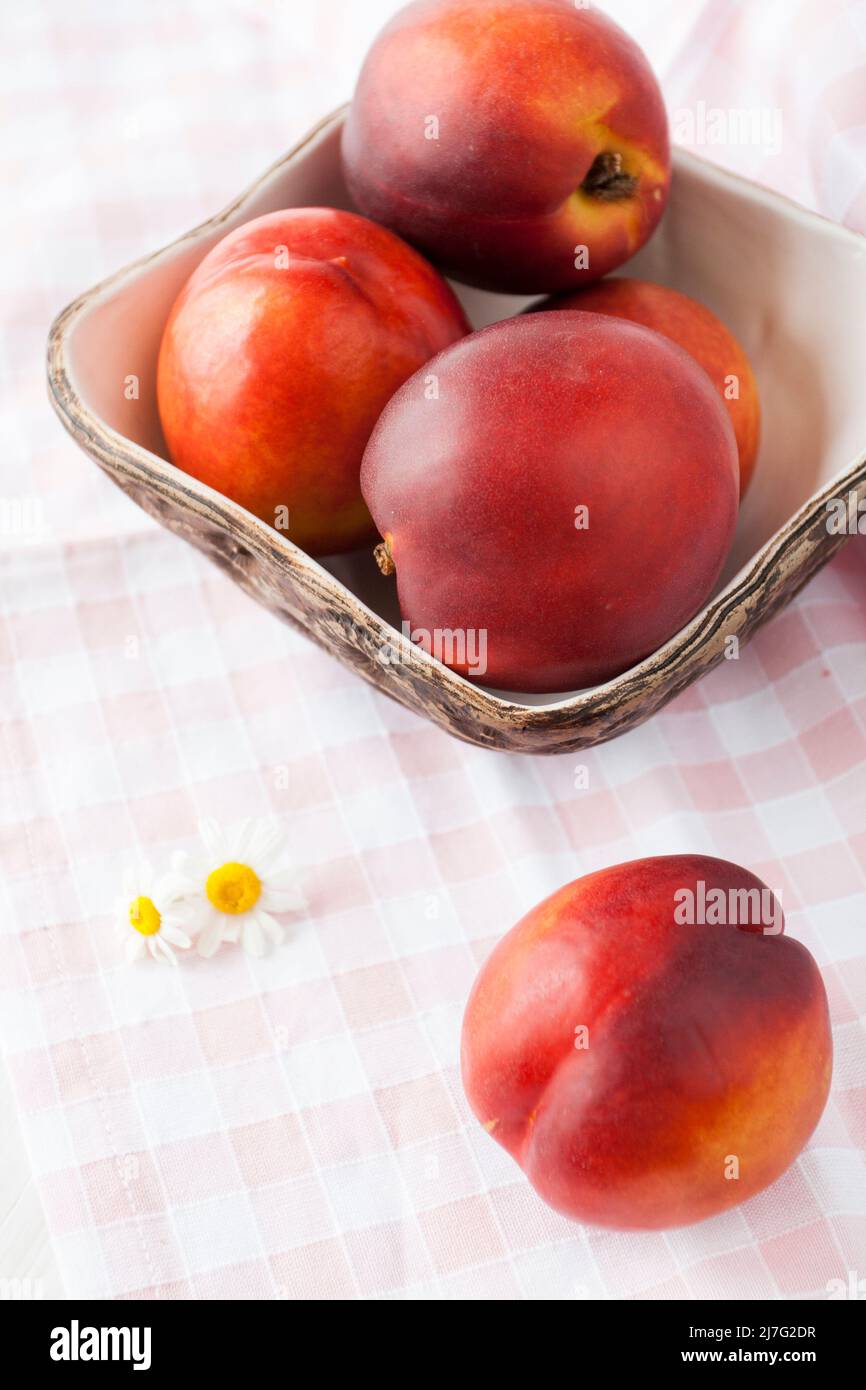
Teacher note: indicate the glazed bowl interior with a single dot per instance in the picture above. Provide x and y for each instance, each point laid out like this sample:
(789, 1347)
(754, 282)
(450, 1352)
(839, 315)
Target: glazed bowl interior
(791, 287)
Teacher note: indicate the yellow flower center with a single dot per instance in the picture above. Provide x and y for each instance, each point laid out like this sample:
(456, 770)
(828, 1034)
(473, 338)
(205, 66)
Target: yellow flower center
(144, 916)
(233, 888)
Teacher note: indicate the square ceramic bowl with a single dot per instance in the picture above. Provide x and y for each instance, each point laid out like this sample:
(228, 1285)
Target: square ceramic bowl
(791, 286)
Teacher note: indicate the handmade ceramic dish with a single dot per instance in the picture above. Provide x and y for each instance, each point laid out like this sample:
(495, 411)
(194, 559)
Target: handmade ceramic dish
(791, 285)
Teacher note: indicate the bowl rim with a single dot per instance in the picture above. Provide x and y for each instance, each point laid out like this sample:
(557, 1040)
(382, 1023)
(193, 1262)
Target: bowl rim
(110, 447)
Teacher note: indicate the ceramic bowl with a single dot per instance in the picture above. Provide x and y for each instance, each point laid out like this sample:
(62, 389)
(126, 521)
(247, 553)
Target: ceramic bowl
(790, 285)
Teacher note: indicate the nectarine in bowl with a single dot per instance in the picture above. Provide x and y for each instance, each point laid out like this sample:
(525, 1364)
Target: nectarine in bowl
(695, 329)
(521, 144)
(564, 502)
(801, 329)
(278, 356)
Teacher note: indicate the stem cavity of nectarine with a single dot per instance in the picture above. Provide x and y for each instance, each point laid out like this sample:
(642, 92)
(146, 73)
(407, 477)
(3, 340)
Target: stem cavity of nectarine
(607, 179)
(384, 559)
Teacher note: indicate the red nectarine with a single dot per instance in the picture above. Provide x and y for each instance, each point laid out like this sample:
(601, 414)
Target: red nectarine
(696, 329)
(521, 144)
(647, 1065)
(564, 484)
(280, 352)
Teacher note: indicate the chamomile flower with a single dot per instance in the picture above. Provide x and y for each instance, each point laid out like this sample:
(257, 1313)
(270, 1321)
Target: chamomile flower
(243, 876)
(150, 913)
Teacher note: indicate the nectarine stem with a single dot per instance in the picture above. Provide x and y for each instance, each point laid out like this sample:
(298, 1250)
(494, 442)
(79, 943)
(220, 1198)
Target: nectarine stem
(607, 179)
(383, 558)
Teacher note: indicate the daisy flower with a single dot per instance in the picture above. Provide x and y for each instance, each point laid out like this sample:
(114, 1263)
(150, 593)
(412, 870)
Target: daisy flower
(151, 915)
(245, 878)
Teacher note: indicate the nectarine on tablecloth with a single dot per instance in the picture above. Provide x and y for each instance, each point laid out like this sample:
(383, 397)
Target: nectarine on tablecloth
(648, 1066)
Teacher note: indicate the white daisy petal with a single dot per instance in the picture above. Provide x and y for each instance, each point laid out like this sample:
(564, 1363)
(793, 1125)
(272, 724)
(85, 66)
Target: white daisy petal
(252, 936)
(240, 843)
(282, 899)
(134, 947)
(210, 935)
(269, 844)
(269, 926)
(190, 914)
(184, 894)
(180, 878)
(175, 935)
(163, 950)
(190, 882)
(287, 877)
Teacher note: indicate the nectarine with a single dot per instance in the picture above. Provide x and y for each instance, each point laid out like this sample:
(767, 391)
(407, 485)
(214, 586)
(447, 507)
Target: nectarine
(647, 1045)
(280, 352)
(696, 329)
(521, 144)
(564, 484)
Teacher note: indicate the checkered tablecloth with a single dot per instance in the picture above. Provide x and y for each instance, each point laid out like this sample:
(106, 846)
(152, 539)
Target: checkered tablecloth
(295, 1126)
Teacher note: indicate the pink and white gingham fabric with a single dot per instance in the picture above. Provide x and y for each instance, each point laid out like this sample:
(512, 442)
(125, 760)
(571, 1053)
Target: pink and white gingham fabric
(295, 1127)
